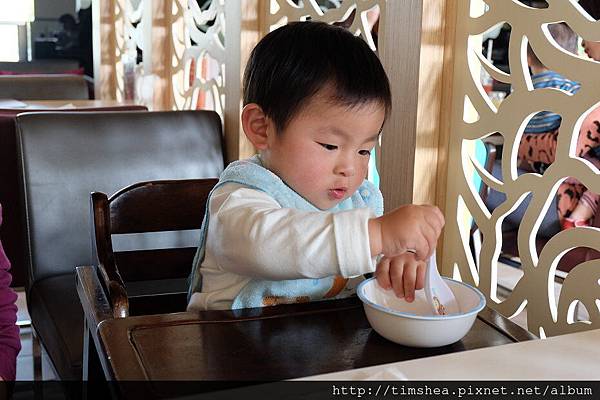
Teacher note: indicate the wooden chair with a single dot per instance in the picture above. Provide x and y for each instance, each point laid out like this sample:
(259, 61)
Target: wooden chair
(149, 281)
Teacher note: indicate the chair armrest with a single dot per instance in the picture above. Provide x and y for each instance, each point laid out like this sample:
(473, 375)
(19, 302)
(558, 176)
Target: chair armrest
(116, 289)
(107, 267)
(92, 296)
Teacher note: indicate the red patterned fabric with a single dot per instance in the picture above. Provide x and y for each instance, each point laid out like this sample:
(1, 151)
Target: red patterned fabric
(537, 151)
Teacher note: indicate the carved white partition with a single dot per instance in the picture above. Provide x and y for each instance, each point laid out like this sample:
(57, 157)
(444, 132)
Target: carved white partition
(546, 315)
(193, 62)
(123, 29)
(129, 31)
(196, 50)
(198, 73)
(284, 11)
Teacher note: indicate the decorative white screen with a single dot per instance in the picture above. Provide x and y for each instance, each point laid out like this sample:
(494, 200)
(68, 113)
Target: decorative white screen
(476, 116)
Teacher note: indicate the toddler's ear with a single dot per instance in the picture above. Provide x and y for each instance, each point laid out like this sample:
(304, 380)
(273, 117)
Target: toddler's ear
(255, 125)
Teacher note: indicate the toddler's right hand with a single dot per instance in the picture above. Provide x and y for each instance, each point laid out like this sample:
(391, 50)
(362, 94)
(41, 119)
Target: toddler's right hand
(405, 228)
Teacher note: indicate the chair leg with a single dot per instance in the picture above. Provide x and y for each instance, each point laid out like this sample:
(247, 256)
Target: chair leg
(92, 367)
(86, 351)
(36, 350)
(94, 383)
(86, 360)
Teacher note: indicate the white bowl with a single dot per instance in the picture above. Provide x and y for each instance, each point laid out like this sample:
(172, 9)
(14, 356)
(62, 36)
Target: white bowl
(414, 324)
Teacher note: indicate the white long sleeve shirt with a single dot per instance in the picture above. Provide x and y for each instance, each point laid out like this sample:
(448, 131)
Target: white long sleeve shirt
(250, 236)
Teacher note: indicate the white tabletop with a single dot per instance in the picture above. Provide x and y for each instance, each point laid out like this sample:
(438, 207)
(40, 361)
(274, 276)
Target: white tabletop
(574, 356)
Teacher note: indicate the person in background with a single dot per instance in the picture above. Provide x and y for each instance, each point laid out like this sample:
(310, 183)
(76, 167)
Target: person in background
(592, 123)
(10, 344)
(592, 7)
(299, 222)
(542, 77)
(576, 206)
(68, 37)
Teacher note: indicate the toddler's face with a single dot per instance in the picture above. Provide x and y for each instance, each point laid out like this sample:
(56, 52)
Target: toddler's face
(323, 153)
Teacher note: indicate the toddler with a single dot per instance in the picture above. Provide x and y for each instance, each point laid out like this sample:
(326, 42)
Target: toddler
(298, 222)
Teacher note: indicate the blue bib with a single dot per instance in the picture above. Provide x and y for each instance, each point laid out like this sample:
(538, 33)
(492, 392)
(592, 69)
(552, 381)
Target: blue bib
(257, 293)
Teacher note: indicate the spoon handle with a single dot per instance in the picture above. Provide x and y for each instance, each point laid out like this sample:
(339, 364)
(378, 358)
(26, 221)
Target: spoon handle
(438, 294)
(430, 284)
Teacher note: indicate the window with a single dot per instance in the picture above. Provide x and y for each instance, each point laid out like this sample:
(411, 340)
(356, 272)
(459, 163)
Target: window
(12, 15)
(9, 50)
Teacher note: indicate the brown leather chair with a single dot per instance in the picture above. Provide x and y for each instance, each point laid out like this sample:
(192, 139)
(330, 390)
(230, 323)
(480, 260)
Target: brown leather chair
(148, 281)
(49, 66)
(12, 231)
(64, 157)
(44, 87)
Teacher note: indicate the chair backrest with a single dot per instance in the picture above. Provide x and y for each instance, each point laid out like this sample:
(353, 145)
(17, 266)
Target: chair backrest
(44, 87)
(45, 66)
(66, 156)
(155, 206)
(12, 232)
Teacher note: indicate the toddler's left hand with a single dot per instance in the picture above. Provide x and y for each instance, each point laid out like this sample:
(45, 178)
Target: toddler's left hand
(402, 273)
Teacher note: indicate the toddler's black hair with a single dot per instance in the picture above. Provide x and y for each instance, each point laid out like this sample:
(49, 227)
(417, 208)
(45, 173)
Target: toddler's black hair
(294, 62)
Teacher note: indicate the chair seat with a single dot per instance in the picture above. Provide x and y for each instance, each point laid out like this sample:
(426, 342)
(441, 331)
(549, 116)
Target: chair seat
(62, 337)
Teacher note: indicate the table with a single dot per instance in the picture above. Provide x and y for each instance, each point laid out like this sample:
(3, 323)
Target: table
(574, 356)
(272, 343)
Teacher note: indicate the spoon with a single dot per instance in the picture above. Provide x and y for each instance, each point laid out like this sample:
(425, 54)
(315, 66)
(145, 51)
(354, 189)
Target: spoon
(439, 295)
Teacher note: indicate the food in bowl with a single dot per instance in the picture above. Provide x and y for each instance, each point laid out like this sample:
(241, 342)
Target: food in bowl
(414, 324)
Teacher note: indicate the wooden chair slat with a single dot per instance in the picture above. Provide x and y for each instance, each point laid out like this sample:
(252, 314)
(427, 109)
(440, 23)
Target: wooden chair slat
(155, 206)
(173, 205)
